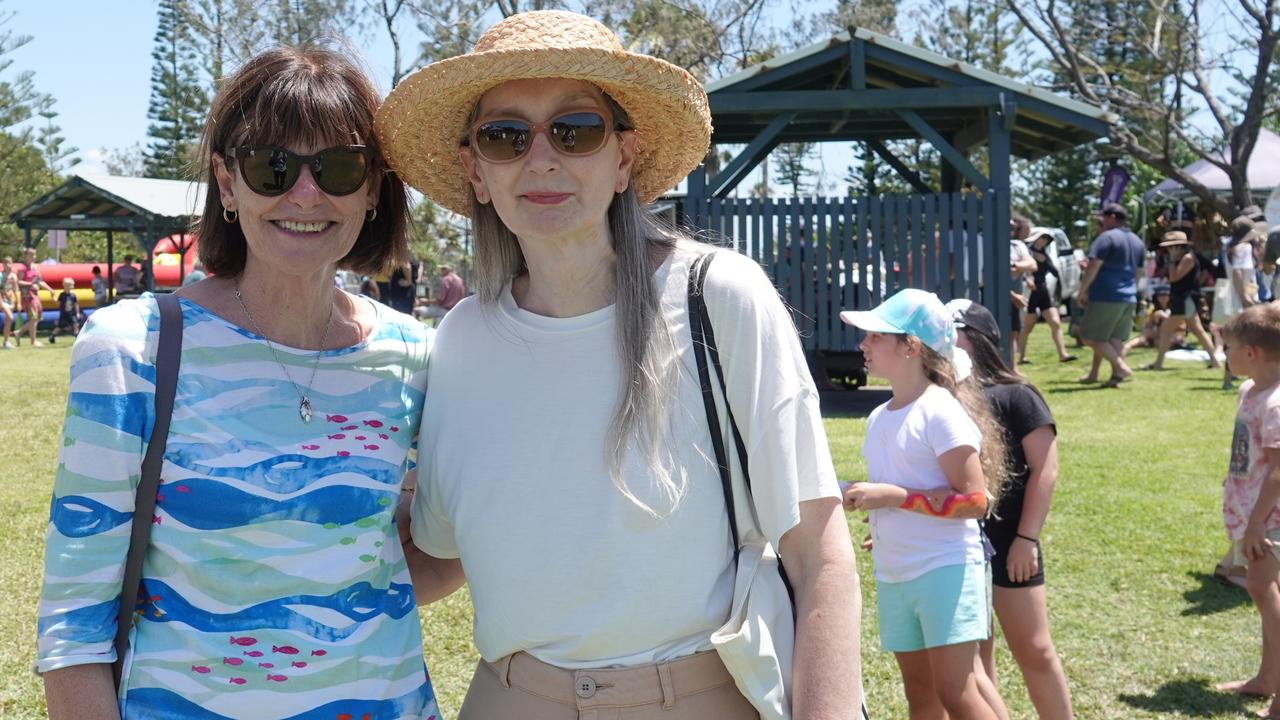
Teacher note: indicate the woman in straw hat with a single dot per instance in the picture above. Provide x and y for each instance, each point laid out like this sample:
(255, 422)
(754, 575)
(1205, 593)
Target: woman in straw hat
(569, 451)
(273, 582)
(1184, 299)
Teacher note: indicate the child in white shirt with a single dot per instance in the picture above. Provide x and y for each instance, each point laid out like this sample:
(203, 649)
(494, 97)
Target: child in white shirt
(932, 472)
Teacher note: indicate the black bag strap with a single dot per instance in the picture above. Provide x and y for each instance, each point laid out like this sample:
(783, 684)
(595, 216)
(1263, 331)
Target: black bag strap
(704, 344)
(698, 328)
(168, 357)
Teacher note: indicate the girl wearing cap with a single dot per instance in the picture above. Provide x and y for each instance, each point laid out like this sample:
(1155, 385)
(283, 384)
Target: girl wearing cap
(934, 467)
(1157, 315)
(1184, 300)
(569, 464)
(1043, 303)
(1017, 568)
(274, 582)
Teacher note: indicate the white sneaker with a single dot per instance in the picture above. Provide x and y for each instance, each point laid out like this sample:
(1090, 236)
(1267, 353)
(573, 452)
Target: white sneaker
(7, 345)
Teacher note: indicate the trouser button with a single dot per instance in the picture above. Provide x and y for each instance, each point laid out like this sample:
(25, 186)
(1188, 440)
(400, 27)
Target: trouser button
(586, 687)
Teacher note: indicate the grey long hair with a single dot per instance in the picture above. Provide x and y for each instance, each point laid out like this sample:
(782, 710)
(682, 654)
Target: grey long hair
(645, 343)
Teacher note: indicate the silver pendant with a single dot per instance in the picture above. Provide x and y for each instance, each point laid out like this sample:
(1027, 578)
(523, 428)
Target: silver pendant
(304, 409)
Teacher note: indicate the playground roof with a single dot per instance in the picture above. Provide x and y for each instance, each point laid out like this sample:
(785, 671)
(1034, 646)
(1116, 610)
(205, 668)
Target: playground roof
(864, 86)
(109, 202)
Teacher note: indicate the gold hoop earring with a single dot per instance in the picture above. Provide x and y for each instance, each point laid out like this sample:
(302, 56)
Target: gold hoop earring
(230, 216)
(373, 213)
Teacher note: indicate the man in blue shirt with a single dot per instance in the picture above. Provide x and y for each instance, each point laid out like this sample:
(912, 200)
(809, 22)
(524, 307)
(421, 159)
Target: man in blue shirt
(1108, 293)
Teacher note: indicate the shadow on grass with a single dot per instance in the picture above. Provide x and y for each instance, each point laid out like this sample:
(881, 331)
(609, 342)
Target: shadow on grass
(1063, 387)
(1192, 697)
(1212, 596)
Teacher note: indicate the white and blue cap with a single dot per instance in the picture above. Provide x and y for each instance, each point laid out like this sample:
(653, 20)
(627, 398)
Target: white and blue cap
(918, 313)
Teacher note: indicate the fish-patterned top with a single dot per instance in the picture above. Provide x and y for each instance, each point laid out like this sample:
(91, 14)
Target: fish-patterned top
(274, 585)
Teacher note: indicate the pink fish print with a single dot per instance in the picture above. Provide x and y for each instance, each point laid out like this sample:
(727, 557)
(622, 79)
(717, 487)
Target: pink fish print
(335, 418)
(343, 453)
(182, 488)
(253, 653)
(349, 427)
(299, 663)
(310, 447)
(361, 437)
(266, 665)
(232, 661)
(384, 436)
(155, 519)
(276, 678)
(284, 649)
(237, 681)
(159, 497)
(243, 641)
(370, 447)
(202, 669)
(395, 429)
(337, 436)
(373, 423)
(318, 653)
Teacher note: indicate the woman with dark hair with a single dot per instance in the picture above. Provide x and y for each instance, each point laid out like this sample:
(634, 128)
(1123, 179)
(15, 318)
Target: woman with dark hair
(1017, 568)
(1184, 299)
(581, 493)
(1043, 303)
(274, 584)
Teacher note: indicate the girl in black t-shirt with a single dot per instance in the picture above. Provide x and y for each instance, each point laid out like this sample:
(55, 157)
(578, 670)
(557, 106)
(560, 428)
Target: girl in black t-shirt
(1018, 564)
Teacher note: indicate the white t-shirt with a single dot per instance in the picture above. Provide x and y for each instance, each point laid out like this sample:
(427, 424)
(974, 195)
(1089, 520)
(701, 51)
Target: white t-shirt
(514, 474)
(902, 447)
(1240, 256)
(1017, 252)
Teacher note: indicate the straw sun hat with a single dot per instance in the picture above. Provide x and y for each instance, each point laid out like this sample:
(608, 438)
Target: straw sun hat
(424, 119)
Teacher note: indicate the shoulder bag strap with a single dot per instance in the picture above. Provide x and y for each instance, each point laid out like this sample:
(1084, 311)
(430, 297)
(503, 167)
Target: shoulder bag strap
(697, 275)
(168, 356)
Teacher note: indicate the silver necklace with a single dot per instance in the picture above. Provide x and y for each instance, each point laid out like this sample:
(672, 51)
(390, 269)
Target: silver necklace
(304, 400)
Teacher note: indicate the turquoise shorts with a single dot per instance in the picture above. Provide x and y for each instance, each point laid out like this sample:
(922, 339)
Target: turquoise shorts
(945, 606)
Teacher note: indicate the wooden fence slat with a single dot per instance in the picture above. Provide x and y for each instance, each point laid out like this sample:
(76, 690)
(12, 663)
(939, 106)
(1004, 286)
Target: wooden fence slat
(971, 247)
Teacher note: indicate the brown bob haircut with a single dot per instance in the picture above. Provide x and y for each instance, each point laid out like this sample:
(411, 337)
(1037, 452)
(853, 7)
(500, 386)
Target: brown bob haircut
(1259, 326)
(288, 96)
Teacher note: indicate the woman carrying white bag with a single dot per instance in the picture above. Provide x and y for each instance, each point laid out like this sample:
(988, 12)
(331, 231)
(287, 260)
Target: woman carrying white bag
(567, 457)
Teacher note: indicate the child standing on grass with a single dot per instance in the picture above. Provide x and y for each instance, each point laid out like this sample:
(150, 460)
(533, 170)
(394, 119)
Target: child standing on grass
(1017, 568)
(1251, 493)
(934, 466)
(68, 310)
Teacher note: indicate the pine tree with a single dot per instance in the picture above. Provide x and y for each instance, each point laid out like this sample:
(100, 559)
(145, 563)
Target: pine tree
(791, 166)
(178, 100)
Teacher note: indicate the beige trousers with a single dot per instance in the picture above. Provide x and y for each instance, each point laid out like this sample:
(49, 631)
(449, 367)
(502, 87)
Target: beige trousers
(520, 687)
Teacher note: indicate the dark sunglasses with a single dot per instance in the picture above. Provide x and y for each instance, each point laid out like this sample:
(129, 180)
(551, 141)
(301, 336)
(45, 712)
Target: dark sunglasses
(577, 134)
(270, 170)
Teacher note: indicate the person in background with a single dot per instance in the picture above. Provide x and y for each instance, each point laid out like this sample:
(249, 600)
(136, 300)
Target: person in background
(196, 275)
(1108, 293)
(1239, 288)
(1158, 314)
(1021, 269)
(1184, 299)
(401, 288)
(449, 291)
(1251, 491)
(30, 283)
(99, 285)
(369, 288)
(68, 311)
(1017, 525)
(8, 300)
(126, 277)
(1043, 302)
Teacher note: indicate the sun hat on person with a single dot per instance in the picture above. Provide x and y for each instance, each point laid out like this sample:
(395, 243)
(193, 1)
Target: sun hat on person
(424, 119)
(914, 312)
(1174, 237)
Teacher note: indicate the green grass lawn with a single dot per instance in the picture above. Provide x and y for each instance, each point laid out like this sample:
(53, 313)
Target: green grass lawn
(1142, 628)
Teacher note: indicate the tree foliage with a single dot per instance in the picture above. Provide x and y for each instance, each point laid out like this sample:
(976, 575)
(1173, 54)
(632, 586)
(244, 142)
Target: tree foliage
(178, 100)
(1160, 66)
